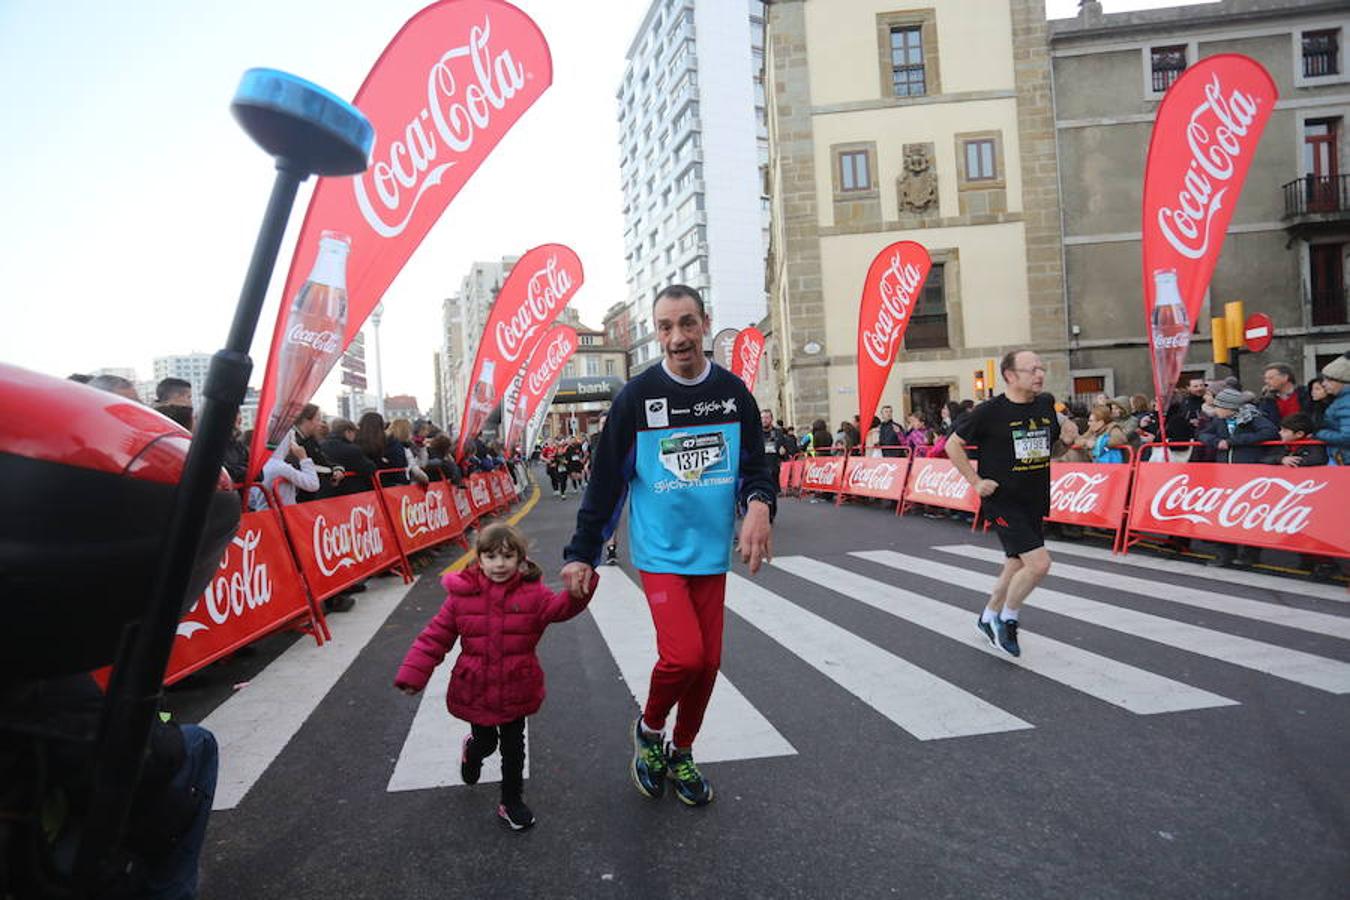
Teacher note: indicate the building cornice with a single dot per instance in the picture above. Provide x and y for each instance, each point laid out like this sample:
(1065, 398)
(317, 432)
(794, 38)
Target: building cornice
(901, 102)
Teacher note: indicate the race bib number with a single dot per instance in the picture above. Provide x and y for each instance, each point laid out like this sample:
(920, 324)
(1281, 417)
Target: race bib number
(689, 456)
(770, 447)
(1031, 445)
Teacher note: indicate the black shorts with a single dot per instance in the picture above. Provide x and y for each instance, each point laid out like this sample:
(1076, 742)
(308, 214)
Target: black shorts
(1019, 530)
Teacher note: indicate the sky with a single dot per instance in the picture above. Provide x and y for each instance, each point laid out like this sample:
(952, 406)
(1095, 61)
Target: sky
(132, 199)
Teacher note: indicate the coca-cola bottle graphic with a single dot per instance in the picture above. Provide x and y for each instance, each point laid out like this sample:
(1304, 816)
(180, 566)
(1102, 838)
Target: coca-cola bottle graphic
(312, 341)
(1171, 330)
(481, 399)
(517, 421)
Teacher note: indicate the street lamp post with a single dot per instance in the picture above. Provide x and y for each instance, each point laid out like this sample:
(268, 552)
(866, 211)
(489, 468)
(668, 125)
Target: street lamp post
(379, 358)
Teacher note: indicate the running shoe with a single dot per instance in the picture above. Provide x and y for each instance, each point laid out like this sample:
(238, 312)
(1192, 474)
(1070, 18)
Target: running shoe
(470, 766)
(1005, 631)
(690, 785)
(649, 763)
(987, 629)
(516, 814)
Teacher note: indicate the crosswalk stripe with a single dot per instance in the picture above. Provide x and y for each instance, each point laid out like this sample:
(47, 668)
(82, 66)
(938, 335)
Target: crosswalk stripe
(1177, 567)
(256, 724)
(430, 754)
(913, 698)
(732, 727)
(1301, 619)
(1293, 665)
(1106, 679)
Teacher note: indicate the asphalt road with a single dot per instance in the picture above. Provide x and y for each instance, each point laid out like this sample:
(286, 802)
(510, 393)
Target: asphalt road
(1167, 734)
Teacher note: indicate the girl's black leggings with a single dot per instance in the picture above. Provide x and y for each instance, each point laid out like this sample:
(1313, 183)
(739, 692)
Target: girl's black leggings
(511, 738)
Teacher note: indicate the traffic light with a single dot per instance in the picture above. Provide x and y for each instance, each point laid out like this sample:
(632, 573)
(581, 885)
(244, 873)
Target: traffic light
(989, 382)
(979, 383)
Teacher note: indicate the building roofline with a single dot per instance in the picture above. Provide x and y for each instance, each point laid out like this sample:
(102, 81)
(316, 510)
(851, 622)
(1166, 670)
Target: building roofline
(1226, 13)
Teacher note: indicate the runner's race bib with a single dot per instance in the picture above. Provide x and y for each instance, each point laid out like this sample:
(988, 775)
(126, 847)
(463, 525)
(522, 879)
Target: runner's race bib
(689, 456)
(1031, 445)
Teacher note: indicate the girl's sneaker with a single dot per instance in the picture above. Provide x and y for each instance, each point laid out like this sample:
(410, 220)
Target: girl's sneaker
(690, 785)
(516, 814)
(470, 766)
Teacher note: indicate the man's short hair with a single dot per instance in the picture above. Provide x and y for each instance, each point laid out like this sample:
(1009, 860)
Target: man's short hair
(681, 290)
(168, 388)
(341, 426)
(79, 378)
(1283, 368)
(307, 412)
(111, 383)
(1009, 363)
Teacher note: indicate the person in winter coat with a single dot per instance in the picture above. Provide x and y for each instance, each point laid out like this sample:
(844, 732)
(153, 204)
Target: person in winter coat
(1335, 426)
(498, 609)
(1237, 430)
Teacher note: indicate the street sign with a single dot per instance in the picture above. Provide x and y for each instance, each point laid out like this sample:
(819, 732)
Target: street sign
(353, 380)
(1258, 332)
(721, 346)
(354, 364)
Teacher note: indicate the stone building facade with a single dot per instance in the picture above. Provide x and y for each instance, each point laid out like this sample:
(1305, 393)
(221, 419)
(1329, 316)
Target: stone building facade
(1285, 253)
(892, 122)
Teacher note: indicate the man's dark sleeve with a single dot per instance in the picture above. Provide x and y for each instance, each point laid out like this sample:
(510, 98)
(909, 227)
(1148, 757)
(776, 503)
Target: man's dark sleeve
(611, 467)
(755, 477)
(970, 427)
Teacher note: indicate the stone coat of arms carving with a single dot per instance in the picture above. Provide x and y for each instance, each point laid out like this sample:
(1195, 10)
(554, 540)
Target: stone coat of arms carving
(918, 184)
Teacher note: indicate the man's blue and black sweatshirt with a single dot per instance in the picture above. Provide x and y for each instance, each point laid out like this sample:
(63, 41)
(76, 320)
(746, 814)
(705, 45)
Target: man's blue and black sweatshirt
(688, 454)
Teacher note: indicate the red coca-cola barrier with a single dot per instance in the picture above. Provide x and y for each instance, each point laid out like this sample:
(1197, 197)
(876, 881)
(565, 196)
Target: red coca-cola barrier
(256, 591)
(784, 477)
(1297, 509)
(480, 495)
(463, 506)
(423, 516)
(880, 477)
(341, 540)
(822, 473)
(1093, 495)
(935, 481)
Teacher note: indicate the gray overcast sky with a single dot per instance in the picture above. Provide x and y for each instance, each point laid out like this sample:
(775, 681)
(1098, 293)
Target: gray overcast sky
(132, 199)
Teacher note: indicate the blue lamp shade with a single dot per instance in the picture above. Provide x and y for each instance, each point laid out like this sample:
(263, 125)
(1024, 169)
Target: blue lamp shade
(299, 122)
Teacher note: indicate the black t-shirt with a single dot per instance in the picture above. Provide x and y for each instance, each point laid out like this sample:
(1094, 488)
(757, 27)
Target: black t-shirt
(1014, 441)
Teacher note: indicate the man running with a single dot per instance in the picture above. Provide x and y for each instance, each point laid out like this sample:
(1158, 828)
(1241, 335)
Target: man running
(683, 440)
(1014, 433)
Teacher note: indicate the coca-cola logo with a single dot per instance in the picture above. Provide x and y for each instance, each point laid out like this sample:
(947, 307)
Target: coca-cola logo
(555, 356)
(896, 287)
(1214, 136)
(1179, 341)
(544, 293)
(325, 342)
(873, 478)
(1076, 492)
(462, 505)
(821, 472)
(480, 493)
(1269, 504)
(750, 354)
(423, 516)
(464, 88)
(941, 481)
(233, 590)
(347, 543)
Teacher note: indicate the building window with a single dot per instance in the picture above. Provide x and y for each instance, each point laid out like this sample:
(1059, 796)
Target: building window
(854, 173)
(980, 160)
(1326, 265)
(928, 322)
(1321, 53)
(609, 367)
(592, 366)
(1167, 65)
(907, 77)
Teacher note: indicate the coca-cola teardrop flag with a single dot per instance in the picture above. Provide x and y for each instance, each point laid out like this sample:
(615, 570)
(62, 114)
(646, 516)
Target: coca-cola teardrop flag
(746, 353)
(543, 371)
(445, 90)
(534, 294)
(894, 282)
(1204, 138)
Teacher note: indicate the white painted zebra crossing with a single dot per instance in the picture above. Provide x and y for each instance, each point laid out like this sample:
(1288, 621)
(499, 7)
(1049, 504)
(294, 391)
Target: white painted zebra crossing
(1293, 665)
(255, 726)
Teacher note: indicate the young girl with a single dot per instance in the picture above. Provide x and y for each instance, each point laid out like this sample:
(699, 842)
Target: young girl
(500, 608)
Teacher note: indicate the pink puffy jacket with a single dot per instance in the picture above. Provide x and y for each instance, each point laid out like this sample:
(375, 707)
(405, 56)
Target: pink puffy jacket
(497, 677)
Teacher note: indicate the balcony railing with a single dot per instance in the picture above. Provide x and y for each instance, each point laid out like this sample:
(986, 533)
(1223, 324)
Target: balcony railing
(1317, 195)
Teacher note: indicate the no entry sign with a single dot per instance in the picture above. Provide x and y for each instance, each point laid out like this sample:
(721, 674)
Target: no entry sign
(1258, 331)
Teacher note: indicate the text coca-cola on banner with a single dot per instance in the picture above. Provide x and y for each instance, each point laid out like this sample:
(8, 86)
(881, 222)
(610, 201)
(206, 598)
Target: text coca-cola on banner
(822, 473)
(936, 482)
(869, 476)
(1301, 510)
(532, 297)
(255, 590)
(441, 96)
(544, 369)
(1204, 138)
(425, 516)
(890, 292)
(746, 353)
(1088, 494)
(340, 540)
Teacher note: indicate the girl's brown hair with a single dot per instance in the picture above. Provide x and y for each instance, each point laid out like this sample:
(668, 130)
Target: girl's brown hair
(499, 537)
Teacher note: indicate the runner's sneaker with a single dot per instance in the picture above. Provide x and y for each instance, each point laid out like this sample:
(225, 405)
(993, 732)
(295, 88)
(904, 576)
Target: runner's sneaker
(690, 785)
(1006, 634)
(470, 766)
(987, 630)
(649, 763)
(516, 814)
